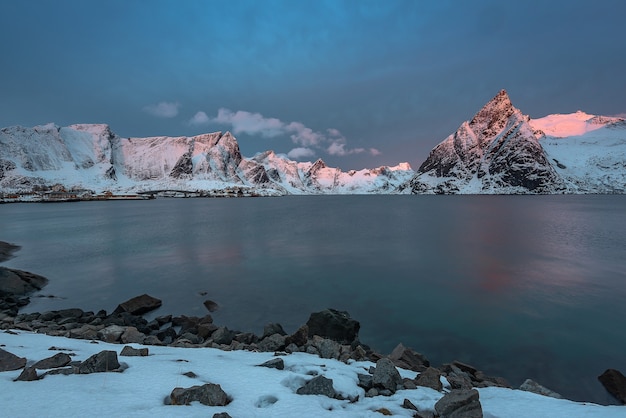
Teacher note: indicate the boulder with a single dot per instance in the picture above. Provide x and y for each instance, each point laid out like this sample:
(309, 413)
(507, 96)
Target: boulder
(9, 361)
(210, 305)
(319, 385)
(326, 348)
(430, 378)
(18, 282)
(57, 360)
(138, 305)
(386, 376)
(333, 324)
(274, 342)
(299, 337)
(111, 334)
(7, 250)
(132, 335)
(530, 385)
(223, 335)
(275, 363)
(459, 403)
(271, 329)
(409, 359)
(104, 361)
(134, 352)
(209, 394)
(615, 383)
(28, 375)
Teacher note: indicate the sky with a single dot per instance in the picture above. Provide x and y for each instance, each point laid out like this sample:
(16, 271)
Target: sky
(140, 390)
(358, 83)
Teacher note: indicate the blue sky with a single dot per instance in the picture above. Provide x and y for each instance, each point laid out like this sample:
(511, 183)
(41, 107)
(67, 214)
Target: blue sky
(357, 83)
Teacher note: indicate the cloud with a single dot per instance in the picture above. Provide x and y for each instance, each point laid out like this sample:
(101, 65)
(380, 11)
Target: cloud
(250, 123)
(200, 118)
(300, 152)
(332, 142)
(163, 109)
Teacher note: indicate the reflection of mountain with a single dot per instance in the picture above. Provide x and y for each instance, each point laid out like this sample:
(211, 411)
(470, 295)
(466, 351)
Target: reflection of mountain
(92, 157)
(503, 151)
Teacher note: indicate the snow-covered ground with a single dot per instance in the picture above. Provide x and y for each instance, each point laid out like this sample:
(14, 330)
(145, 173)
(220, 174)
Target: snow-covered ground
(140, 390)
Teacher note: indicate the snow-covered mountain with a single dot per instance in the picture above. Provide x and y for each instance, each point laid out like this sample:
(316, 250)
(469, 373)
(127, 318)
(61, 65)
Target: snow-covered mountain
(502, 151)
(92, 157)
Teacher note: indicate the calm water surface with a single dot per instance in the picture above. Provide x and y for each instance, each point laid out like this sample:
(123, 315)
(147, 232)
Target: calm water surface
(519, 286)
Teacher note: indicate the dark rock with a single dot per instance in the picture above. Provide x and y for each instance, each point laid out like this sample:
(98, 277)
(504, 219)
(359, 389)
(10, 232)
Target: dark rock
(210, 305)
(275, 363)
(409, 359)
(333, 324)
(407, 404)
(530, 385)
(459, 404)
(132, 335)
(57, 360)
(408, 383)
(430, 378)
(271, 329)
(471, 370)
(246, 338)
(192, 338)
(28, 375)
(365, 381)
(9, 361)
(209, 394)
(272, 343)
(104, 361)
(386, 376)
(133, 352)
(111, 334)
(138, 305)
(326, 348)
(7, 250)
(167, 335)
(299, 337)
(223, 336)
(66, 371)
(221, 415)
(74, 313)
(190, 375)
(162, 320)
(615, 383)
(319, 385)
(20, 283)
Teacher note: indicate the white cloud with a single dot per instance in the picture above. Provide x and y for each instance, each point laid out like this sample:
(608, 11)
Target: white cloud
(250, 123)
(332, 142)
(163, 109)
(200, 118)
(300, 152)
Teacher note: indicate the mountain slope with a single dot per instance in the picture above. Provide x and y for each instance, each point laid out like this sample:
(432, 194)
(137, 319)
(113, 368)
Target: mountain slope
(92, 157)
(495, 152)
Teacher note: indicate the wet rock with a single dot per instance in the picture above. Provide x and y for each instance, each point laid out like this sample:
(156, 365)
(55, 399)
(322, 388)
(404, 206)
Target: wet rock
(9, 361)
(134, 352)
(138, 305)
(209, 394)
(386, 376)
(104, 361)
(430, 378)
(57, 360)
(333, 324)
(409, 359)
(319, 385)
(276, 363)
(530, 385)
(19, 283)
(365, 381)
(7, 250)
(459, 403)
(615, 383)
(210, 305)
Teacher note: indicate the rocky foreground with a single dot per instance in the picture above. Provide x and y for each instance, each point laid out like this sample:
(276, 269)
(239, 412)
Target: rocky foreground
(329, 334)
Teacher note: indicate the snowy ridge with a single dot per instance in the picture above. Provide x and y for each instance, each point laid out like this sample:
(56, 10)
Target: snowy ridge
(502, 151)
(92, 157)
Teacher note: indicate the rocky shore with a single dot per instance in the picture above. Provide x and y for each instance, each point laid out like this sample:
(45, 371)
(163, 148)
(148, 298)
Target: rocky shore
(329, 334)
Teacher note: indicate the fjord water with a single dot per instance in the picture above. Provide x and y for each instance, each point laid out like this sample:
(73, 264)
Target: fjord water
(518, 286)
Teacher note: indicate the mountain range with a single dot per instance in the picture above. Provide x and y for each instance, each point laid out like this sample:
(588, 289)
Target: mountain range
(499, 151)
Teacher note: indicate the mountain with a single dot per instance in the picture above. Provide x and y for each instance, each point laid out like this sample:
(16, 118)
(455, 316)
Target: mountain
(92, 157)
(502, 151)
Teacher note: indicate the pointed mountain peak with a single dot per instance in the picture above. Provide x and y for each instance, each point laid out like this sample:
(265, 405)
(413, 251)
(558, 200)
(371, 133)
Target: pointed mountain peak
(493, 116)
